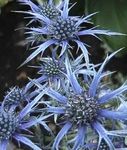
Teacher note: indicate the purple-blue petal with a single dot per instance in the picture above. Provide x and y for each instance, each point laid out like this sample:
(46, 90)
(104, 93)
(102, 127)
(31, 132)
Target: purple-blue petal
(112, 94)
(41, 49)
(100, 32)
(33, 122)
(97, 77)
(72, 78)
(26, 141)
(64, 48)
(103, 134)
(28, 108)
(119, 115)
(46, 126)
(54, 94)
(80, 137)
(65, 11)
(33, 7)
(3, 144)
(41, 79)
(56, 110)
(37, 31)
(84, 50)
(60, 135)
(85, 19)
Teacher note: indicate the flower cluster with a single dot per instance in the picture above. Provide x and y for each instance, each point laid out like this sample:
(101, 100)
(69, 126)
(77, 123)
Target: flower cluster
(13, 123)
(60, 30)
(81, 109)
(70, 92)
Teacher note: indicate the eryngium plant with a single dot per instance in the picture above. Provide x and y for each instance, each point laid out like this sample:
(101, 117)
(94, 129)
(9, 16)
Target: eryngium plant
(13, 123)
(83, 108)
(89, 114)
(53, 71)
(61, 30)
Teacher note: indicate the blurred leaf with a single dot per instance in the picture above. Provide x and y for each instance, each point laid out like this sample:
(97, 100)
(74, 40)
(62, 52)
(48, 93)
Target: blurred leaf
(3, 2)
(113, 16)
(78, 8)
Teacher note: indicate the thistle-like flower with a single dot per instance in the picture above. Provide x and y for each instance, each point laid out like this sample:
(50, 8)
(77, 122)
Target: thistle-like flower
(51, 68)
(61, 30)
(83, 109)
(13, 124)
(47, 9)
(14, 97)
(53, 71)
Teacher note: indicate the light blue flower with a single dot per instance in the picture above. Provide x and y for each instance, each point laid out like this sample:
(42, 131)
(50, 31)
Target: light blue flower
(82, 108)
(63, 29)
(47, 9)
(12, 124)
(53, 71)
(14, 97)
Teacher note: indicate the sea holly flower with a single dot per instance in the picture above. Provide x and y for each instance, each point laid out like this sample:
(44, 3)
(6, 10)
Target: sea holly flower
(53, 71)
(51, 68)
(14, 97)
(81, 109)
(47, 9)
(13, 124)
(63, 29)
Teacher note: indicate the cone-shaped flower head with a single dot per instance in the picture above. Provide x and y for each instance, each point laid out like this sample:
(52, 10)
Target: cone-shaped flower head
(8, 124)
(47, 9)
(63, 29)
(14, 97)
(51, 67)
(81, 109)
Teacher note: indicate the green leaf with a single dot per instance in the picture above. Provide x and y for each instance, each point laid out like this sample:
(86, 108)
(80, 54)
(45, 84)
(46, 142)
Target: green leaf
(113, 16)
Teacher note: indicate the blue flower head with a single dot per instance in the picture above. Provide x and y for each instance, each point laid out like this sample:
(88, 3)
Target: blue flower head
(9, 123)
(14, 97)
(82, 108)
(51, 67)
(53, 71)
(47, 9)
(63, 29)
(13, 124)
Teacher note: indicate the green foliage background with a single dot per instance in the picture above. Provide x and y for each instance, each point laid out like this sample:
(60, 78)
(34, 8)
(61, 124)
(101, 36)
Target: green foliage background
(112, 15)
